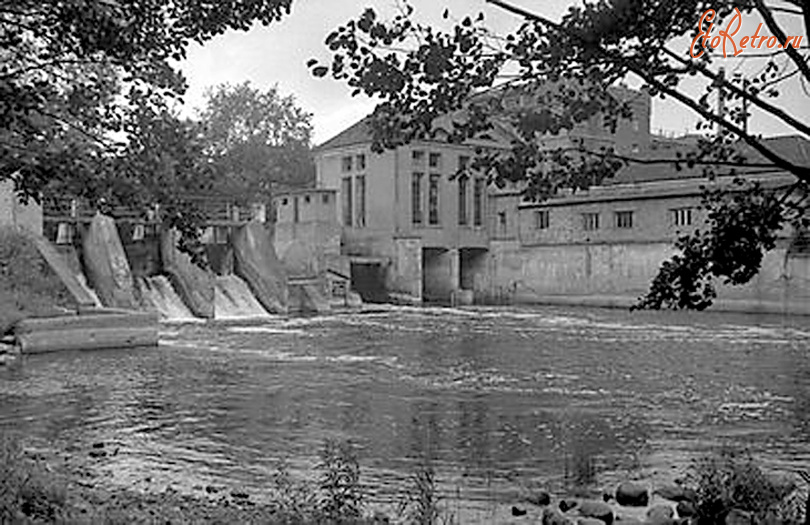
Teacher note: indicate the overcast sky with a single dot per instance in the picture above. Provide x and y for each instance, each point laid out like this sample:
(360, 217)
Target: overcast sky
(277, 55)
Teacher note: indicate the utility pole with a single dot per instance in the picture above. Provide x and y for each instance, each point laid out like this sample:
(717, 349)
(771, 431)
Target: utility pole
(745, 106)
(721, 101)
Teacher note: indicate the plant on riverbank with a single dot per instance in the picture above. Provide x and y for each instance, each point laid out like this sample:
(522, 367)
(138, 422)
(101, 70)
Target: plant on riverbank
(294, 500)
(27, 286)
(421, 503)
(733, 480)
(341, 494)
(27, 492)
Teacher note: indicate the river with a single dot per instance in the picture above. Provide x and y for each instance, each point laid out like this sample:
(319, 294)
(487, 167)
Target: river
(493, 398)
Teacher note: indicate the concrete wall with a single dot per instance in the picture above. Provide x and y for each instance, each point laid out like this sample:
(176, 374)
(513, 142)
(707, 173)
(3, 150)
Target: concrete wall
(621, 272)
(405, 272)
(14, 213)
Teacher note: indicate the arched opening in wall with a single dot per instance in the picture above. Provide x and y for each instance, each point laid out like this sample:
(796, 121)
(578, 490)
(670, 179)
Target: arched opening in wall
(368, 280)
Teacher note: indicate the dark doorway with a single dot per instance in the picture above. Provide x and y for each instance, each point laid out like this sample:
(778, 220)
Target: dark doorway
(436, 285)
(368, 279)
(472, 265)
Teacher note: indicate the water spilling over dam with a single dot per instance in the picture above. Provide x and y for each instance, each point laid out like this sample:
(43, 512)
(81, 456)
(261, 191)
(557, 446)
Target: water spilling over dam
(158, 293)
(234, 300)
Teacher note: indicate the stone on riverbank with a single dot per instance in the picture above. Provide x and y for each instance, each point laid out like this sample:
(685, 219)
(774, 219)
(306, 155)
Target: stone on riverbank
(595, 509)
(540, 498)
(676, 493)
(738, 517)
(632, 495)
(660, 514)
(555, 517)
(686, 509)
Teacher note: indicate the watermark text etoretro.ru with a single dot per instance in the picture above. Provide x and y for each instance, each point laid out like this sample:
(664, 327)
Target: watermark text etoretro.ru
(727, 38)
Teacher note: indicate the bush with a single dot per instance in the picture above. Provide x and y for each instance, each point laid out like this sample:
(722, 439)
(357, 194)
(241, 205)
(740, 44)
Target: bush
(27, 491)
(27, 285)
(732, 480)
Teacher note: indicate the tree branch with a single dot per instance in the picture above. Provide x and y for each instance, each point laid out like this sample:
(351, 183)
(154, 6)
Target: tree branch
(777, 112)
(794, 55)
(802, 172)
(696, 162)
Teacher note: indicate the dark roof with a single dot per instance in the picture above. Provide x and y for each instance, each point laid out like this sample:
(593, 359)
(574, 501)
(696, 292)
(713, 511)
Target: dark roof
(794, 148)
(357, 133)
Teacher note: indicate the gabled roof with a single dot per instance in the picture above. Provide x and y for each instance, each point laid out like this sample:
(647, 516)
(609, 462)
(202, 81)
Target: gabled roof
(360, 133)
(357, 133)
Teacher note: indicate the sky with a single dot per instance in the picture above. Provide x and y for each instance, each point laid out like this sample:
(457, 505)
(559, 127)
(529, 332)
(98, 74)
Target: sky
(276, 55)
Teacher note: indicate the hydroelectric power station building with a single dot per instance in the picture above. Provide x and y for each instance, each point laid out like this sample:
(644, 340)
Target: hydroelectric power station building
(413, 233)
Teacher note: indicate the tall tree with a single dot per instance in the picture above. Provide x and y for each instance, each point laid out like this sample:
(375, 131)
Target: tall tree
(420, 73)
(86, 90)
(256, 139)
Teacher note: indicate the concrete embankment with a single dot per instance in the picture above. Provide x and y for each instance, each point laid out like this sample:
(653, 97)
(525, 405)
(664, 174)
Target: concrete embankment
(93, 330)
(256, 262)
(106, 264)
(194, 285)
(745, 306)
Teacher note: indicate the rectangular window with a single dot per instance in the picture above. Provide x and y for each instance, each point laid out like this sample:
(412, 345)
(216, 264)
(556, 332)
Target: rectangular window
(418, 159)
(416, 197)
(296, 210)
(624, 219)
(590, 221)
(360, 189)
(435, 161)
(541, 219)
(221, 234)
(347, 201)
(682, 216)
(463, 163)
(360, 162)
(463, 183)
(433, 199)
(478, 202)
(346, 164)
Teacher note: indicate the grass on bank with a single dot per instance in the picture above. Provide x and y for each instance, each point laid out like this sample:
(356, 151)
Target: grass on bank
(31, 491)
(28, 287)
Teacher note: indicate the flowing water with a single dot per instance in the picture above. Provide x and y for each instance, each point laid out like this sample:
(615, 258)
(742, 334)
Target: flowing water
(234, 300)
(158, 293)
(493, 398)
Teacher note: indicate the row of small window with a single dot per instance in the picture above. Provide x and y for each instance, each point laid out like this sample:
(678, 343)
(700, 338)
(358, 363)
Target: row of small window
(324, 199)
(296, 208)
(621, 219)
(357, 163)
(434, 161)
